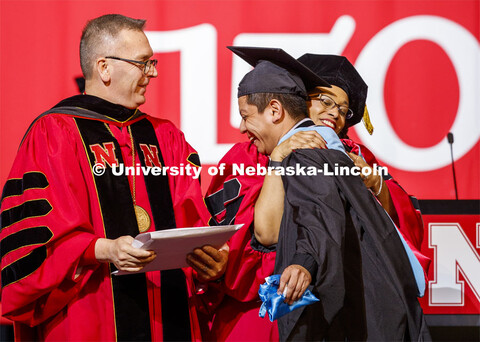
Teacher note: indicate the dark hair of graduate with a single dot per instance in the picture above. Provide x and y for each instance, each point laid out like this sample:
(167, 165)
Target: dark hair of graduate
(293, 104)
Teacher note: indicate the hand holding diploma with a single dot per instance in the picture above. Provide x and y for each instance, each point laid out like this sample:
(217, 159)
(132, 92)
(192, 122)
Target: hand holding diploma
(209, 263)
(122, 254)
(203, 248)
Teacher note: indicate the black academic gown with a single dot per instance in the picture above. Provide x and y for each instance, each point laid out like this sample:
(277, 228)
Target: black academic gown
(333, 226)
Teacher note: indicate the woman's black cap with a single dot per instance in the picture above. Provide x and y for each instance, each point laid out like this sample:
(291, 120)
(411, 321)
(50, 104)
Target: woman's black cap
(340, 72)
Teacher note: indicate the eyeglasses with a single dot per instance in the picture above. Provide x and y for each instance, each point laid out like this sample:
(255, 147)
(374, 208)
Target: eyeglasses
(329, 103)
(147, 66)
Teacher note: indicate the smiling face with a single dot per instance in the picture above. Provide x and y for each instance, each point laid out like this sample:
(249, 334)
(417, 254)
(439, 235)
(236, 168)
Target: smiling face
(259, 127)
(328, 117)
(128, 84)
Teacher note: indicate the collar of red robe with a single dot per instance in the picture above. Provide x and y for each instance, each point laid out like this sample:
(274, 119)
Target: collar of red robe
(101, 106)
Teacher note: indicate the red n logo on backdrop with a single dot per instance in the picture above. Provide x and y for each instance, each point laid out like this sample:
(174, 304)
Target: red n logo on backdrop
(455, 258)
(105, 154)
(452, 241)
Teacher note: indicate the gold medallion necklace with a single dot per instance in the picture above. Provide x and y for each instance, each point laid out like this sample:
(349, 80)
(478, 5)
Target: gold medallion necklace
(143, 219)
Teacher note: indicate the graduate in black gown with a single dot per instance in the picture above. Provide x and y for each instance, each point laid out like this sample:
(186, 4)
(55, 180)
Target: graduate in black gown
(335, 237)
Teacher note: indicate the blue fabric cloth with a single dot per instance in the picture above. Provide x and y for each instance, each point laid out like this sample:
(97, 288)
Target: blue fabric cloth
(274, 304)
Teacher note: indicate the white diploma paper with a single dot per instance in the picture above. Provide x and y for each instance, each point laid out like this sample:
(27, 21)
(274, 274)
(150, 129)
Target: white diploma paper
(173, 245)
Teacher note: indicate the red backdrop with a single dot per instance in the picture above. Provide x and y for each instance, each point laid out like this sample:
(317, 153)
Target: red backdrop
(421, 60)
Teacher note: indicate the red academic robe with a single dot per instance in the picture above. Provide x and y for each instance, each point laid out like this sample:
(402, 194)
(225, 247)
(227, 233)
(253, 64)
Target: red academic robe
(231, 198)
(54, 209)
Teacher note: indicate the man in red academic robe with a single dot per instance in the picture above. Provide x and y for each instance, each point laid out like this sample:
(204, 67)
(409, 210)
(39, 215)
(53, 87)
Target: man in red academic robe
(69, 213)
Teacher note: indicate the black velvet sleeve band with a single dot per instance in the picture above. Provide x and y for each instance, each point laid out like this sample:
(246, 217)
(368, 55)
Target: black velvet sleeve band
(257, 246)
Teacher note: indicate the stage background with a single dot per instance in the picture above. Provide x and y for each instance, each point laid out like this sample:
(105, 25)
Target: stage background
(421, 60)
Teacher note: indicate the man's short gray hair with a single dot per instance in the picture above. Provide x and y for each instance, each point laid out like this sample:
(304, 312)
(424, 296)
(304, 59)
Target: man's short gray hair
(95, 33)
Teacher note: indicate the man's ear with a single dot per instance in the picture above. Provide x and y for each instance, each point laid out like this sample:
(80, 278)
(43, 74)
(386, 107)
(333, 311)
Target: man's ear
(278, 112)
(103, 70)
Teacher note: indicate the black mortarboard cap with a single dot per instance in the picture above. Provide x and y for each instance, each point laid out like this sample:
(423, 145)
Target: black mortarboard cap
(338, 71)
(275, 71)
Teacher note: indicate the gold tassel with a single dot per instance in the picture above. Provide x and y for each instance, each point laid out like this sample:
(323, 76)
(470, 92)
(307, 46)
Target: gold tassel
(366, 121)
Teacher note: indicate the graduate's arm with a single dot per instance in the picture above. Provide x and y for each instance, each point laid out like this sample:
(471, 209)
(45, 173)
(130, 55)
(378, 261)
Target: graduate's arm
(269, 206)
(269, 210)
